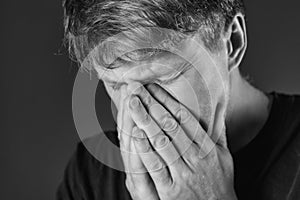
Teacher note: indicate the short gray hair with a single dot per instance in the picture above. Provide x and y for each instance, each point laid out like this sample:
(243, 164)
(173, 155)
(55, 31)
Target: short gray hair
(89, 22)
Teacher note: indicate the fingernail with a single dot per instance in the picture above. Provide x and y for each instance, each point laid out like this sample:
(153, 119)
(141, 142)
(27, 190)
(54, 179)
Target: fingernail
(152, 87)
(142, 146)
(134, 102)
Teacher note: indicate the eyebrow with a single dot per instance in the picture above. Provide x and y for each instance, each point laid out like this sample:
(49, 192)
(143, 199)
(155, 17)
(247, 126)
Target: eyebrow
(121, 66)
(138, 55)
(151, 79)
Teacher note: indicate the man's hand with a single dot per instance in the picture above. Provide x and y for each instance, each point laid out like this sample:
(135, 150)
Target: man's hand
(181, 160)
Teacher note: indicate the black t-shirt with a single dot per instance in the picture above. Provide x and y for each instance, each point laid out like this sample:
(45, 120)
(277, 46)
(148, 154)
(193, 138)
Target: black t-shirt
(267, 168)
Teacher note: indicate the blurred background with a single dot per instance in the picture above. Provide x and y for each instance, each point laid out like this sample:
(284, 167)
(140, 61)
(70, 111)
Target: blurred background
(37, 128)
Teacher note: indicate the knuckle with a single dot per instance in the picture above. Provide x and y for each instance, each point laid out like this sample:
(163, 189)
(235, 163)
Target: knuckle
(160, 141)
(138, 133)
(186, 175)
(174, 190)
(192, 158)
(183, 115)
(146, 97)
(171, 126)
(163, 178)
(148, 100)
(156, 165)
(142, 145)
(178, 113)
(146, 120)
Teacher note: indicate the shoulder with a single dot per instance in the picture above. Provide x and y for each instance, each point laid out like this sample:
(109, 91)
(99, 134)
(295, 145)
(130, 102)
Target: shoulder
(86, 177)
(282, 172)
(296, 105)
(89, 151)
(288, 106)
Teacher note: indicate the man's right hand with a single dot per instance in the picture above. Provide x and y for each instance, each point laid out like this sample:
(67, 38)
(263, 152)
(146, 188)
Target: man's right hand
(136, 173)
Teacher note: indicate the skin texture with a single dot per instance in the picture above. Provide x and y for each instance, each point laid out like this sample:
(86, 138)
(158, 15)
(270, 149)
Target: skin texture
(202, 172)
(185, 78)
(205, 170)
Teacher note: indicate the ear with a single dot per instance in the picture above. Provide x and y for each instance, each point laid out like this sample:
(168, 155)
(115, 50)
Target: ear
(236, 41)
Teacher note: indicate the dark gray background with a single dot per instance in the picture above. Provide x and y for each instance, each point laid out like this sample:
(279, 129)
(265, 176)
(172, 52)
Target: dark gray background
(37, 131)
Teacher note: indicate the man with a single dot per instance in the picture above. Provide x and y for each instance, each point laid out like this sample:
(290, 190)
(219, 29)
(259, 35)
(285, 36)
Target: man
(189, 125)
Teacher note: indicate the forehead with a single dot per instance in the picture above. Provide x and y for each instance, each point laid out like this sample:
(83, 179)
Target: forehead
(161, 66)
(157, 54)
(138, 43)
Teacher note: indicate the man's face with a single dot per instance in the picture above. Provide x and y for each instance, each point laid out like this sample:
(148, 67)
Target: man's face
(186, 82)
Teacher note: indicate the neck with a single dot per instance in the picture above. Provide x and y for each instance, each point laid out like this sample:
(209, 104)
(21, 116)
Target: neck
(248, 111)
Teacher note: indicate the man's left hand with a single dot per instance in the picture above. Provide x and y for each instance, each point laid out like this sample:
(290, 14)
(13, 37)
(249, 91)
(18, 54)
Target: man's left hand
(181, 159)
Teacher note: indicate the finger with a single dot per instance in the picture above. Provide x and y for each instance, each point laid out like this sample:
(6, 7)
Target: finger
(183, 143)
(141, 191)
(125, 129)
(137, 183)
(124, 126)
(188, 122)
(163, 118)
(153, 162)
(136, 165)
(157, 138)
(141, 182)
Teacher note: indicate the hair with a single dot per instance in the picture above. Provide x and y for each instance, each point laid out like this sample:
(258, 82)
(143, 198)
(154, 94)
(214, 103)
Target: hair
(89, 22)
